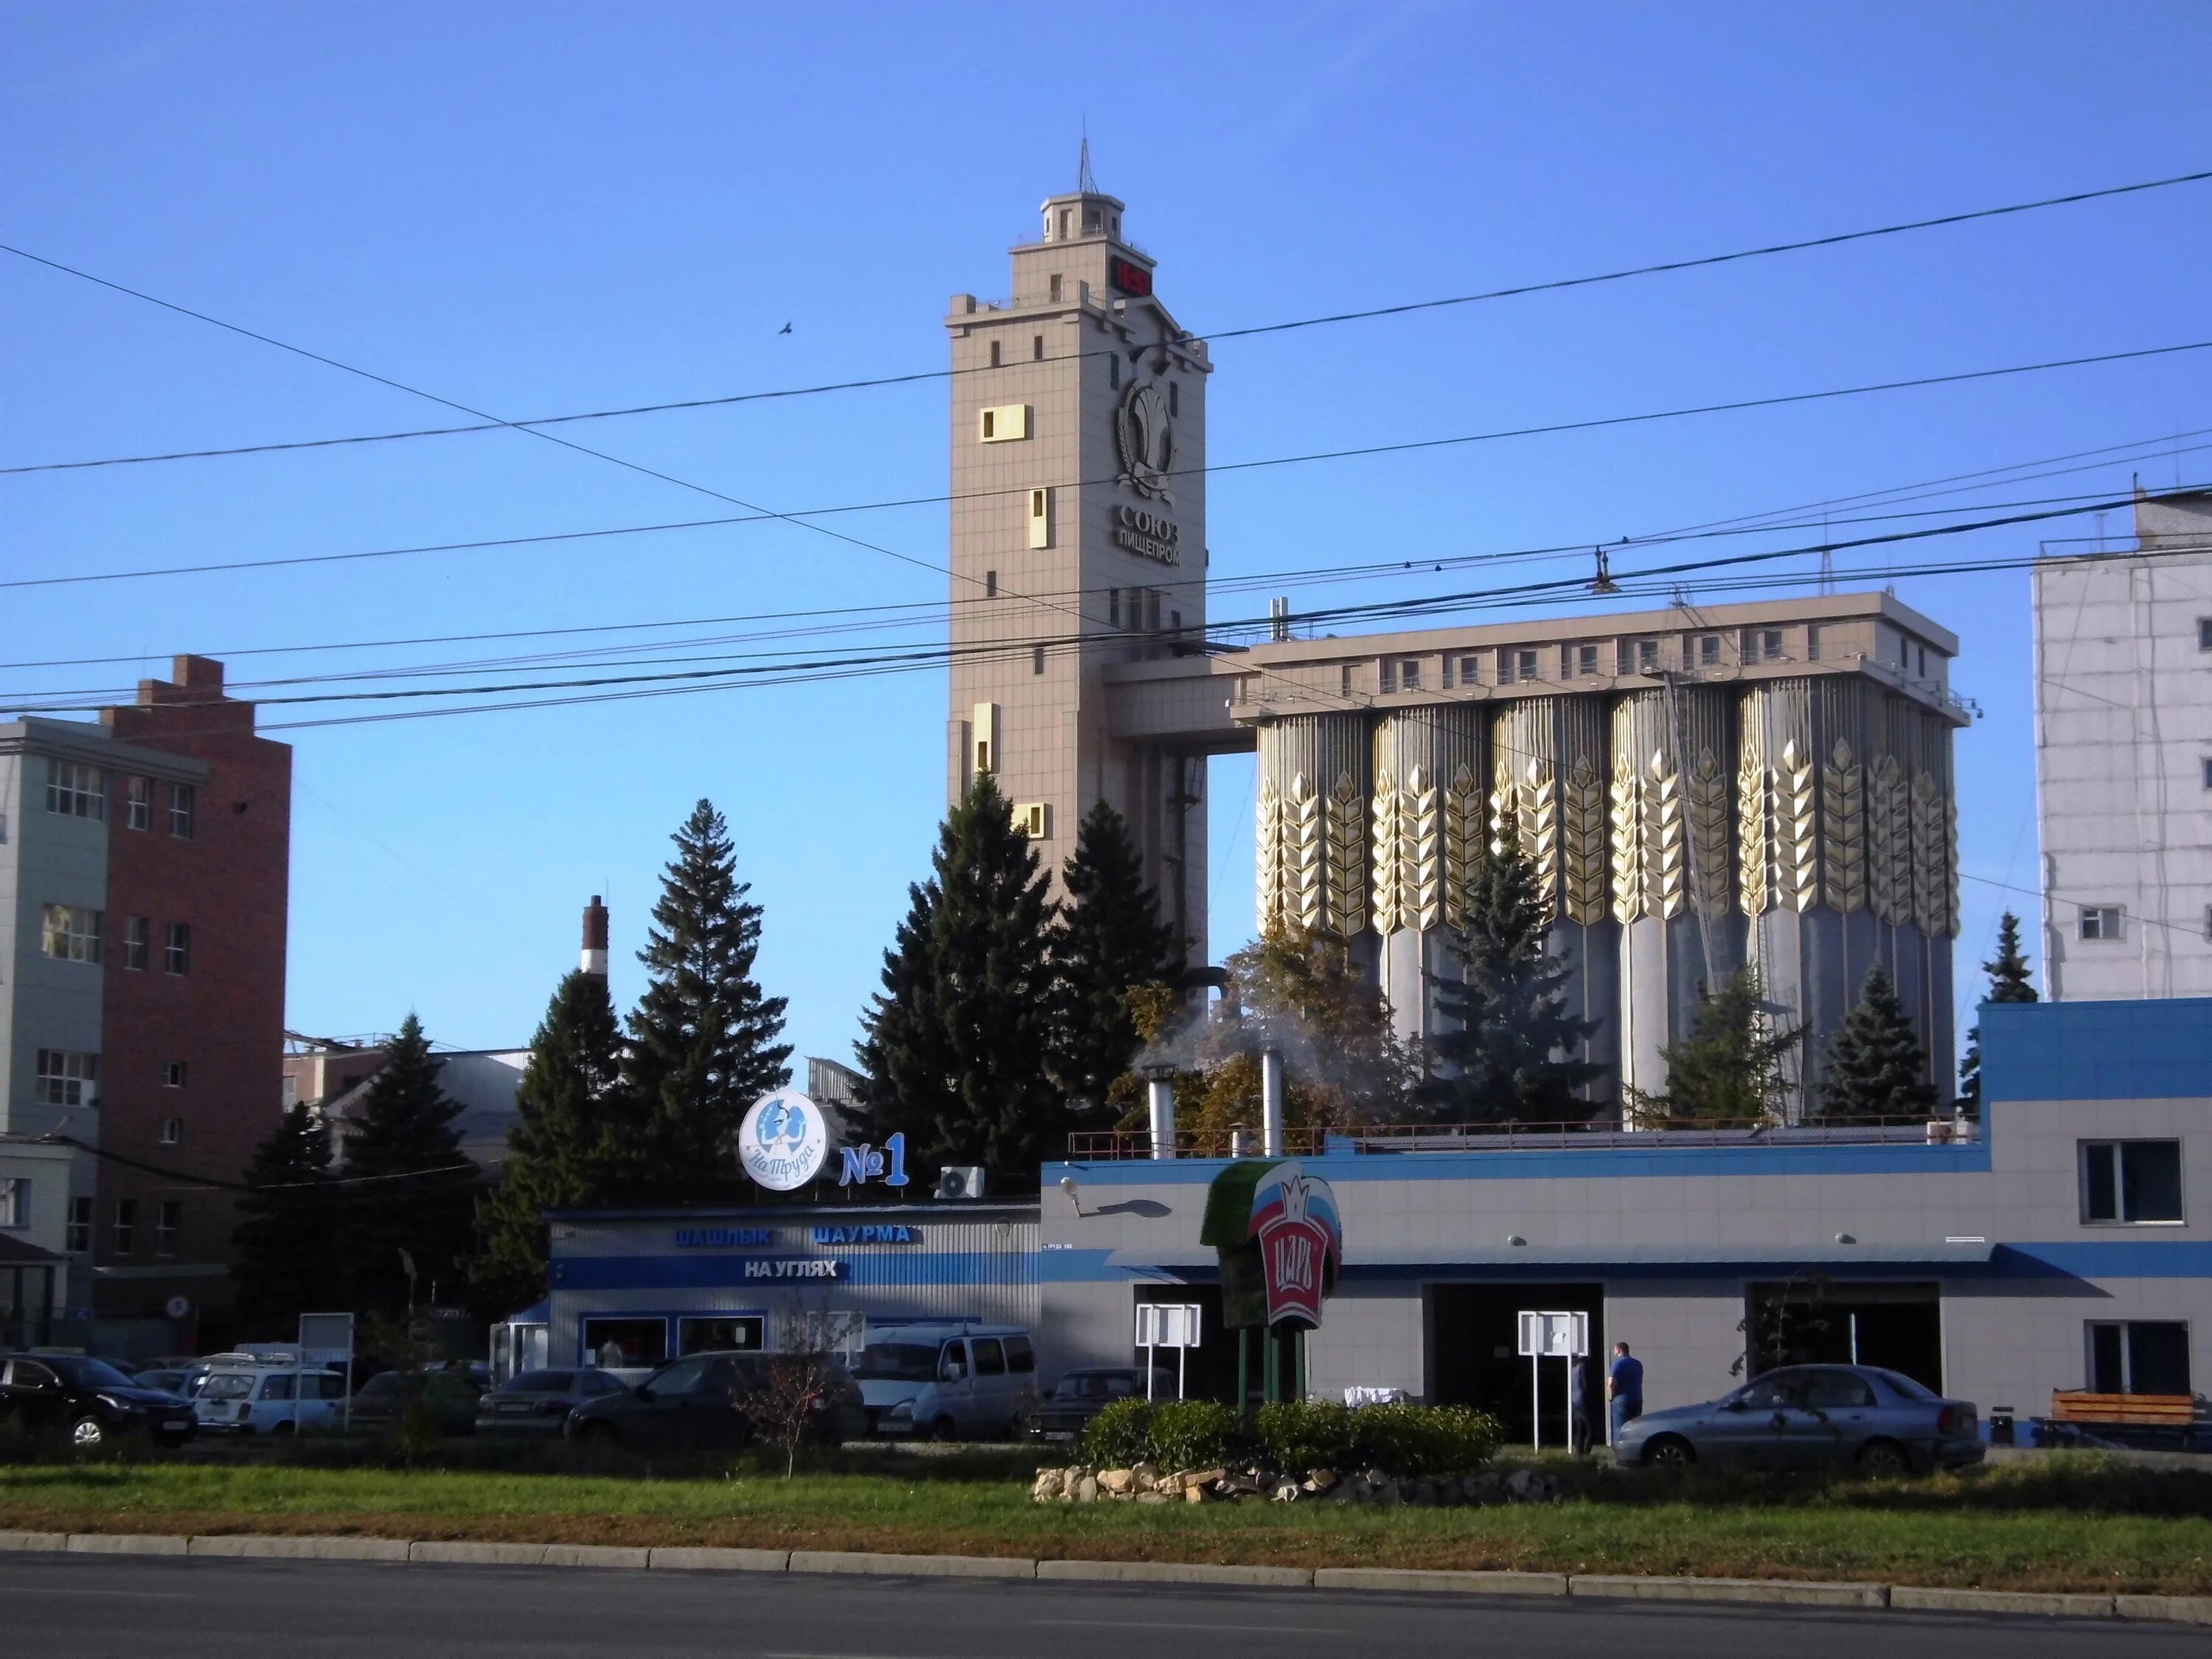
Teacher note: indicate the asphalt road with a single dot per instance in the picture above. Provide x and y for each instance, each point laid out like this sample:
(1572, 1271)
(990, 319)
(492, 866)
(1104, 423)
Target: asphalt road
(54, 1607)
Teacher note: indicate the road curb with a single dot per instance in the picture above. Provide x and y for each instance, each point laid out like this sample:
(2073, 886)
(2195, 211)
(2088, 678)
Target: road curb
(1787, 1592)
(1172, 1572)
(1422, 1581)
(2036, 1604)
(899, 1566)
(1816, 1593)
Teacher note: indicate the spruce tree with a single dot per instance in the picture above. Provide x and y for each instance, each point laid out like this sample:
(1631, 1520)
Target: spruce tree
(409, 1186)
(567, 1143)
(1729, 1069)
(703, 1038)
(287, 1243)
(959, 1042)
(2008, 983)
(1110, 942)
(1510, 1058)
(1876, 1066)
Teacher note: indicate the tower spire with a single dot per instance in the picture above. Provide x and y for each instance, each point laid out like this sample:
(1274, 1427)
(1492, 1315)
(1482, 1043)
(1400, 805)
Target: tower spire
(1085, 184)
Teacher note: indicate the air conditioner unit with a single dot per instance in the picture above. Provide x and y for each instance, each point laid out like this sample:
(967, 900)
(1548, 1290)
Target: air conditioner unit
(961, 1182)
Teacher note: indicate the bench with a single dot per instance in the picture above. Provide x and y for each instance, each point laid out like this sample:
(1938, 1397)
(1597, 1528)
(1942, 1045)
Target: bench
(2135, 1411)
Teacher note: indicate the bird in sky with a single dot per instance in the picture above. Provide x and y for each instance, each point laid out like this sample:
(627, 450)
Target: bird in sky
(786, 329)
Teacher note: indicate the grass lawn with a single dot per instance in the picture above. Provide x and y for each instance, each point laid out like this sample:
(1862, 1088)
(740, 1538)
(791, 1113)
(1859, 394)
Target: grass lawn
(2066, 1522)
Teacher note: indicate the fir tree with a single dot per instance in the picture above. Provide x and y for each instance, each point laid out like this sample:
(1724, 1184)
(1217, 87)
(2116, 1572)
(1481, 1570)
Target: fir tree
(409, 1185)
(2008, 983)
(1510, 1060)
(703, 1039)
(959, 1042)
(1110, 942)
(1876, 1066)
(567, 1143)
(1729, 1069)
(287, 1242)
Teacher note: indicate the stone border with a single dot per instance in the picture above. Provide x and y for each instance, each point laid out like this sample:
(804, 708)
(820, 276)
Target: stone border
(1807, 1593)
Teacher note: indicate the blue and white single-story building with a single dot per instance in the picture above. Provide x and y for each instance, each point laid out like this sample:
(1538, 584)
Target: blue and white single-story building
(2063, 1242)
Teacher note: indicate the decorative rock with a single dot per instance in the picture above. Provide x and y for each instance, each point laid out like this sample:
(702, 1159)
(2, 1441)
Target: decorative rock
(1050, 1483)
(1143, 1476)
(1422, 1495)
(1087, 1490)
(1387, 1494)
(1203, 1477)
(1117, 1481)
(1531, 1486)
(1155, 1497)
(1192, 1493)
(1321, 1481)
(1287, 1491)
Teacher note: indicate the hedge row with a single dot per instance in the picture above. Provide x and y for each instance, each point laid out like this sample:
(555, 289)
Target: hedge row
(1294, 1435)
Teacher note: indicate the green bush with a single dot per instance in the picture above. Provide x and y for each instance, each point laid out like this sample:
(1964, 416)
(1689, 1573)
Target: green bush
(1298, 1435)
(1119, 1435)
(1192, 1434)
(1410, 1441)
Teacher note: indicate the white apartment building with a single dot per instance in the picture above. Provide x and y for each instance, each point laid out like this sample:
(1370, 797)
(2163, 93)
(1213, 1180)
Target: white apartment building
(2123, 759)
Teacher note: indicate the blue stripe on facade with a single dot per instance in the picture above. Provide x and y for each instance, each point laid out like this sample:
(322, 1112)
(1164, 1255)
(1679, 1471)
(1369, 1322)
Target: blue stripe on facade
(1905, 1158)
(691, 1272)
(2158, 1050)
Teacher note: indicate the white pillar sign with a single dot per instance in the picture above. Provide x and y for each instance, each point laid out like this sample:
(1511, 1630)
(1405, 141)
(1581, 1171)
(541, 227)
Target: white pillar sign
(1549, 1335)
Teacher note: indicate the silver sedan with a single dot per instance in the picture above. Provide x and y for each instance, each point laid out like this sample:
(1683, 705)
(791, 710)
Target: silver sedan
(1814, 1417)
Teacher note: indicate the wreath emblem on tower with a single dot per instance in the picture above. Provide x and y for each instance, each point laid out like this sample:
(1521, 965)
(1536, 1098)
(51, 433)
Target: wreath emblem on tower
(1145, 439)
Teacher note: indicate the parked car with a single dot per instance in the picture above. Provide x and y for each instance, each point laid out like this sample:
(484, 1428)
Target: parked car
(947, 1380)
(1078, 1396)
(268, 1399)
(1814, 1417)
(697, 1404)
(178, 1380)
(89, 1399)
(450, 1395)
(539, 1403)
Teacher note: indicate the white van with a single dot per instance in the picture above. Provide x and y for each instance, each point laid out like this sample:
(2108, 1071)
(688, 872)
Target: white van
(258, 1398)
(947, 1379)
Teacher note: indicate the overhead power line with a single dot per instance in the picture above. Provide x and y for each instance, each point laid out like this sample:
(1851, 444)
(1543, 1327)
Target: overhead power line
(803, 517)
(484, 424)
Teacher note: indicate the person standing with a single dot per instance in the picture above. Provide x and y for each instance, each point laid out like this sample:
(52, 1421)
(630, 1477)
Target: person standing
(1624, 1388)
(1578, 1424)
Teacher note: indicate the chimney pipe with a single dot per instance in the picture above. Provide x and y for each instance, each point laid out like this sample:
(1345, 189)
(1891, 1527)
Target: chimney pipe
(1159, 1090)
(594, 959)
(1270, 1103)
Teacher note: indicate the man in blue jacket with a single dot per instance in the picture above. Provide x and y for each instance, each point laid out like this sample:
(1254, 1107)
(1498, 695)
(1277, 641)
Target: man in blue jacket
(1624, 1388)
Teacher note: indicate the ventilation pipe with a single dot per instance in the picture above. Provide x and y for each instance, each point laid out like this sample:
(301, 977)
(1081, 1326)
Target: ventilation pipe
(1270, 1103)
(1159, 1096)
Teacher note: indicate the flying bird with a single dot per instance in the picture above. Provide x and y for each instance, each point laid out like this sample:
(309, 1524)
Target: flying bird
(786, 329)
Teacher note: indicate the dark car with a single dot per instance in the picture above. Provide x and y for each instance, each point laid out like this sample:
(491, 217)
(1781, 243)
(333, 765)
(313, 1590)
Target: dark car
(539, 1403)
(89, 1400)
(1804, 1416)
(450, 1395)
(1078, 1396)
(697, 1404)
(183, 1381)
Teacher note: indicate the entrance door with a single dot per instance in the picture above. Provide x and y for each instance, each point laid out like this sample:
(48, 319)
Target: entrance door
(1473, 1354)
(1813, 1320)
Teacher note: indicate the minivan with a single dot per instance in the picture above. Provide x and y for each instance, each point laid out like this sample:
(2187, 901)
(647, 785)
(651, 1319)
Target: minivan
(947, 1379)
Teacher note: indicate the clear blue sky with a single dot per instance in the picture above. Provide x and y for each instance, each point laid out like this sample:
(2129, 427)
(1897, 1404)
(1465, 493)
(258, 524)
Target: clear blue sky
(538, 209)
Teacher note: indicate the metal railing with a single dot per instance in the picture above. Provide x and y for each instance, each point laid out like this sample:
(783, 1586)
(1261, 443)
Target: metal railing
(1113, 1145)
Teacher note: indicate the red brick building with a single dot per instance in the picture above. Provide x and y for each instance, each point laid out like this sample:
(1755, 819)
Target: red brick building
(193, 1020)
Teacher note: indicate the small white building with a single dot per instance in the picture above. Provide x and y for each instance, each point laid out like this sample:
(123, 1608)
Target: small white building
(2123, 759)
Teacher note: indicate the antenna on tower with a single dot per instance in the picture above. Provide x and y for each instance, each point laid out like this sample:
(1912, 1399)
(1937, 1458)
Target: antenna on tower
(1085, 184)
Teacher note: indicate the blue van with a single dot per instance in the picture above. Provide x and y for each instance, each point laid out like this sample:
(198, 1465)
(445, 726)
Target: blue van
(947, 1379)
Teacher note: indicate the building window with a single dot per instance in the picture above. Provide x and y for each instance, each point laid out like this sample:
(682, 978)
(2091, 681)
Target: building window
(1709, 651)
(1063, 224)
(1040, 518)
(994, 363)
(1409, 675)
(75, 790)
(172, 1075)
(1770, 646)
(1005, 423)
(1344, 679)
(990, 584)
(182, 799)
(2100, 922)
(1470, 670)
(1037, 348)
(1517, 665)
(138, 804)
(72, 932)
(1813, 642)
(137, 941)
(15, 1201)
(2131, 1182)
(2139, 1356)
(2204, 633)
(2207, 771)
(1113, 372)
(1032, 818)
(79, 1238)
(1174, 621)
(126, 1226)
(1175, 397)
(1152, 609)
(1445, 673)
(173, 1131)
(67, 1080)
(168, 1216)
(1389, 670)
(177, 952)
(1647, 656)
(1113, 607)
(1586, 662)
(1055, 285)
(1036, 659)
